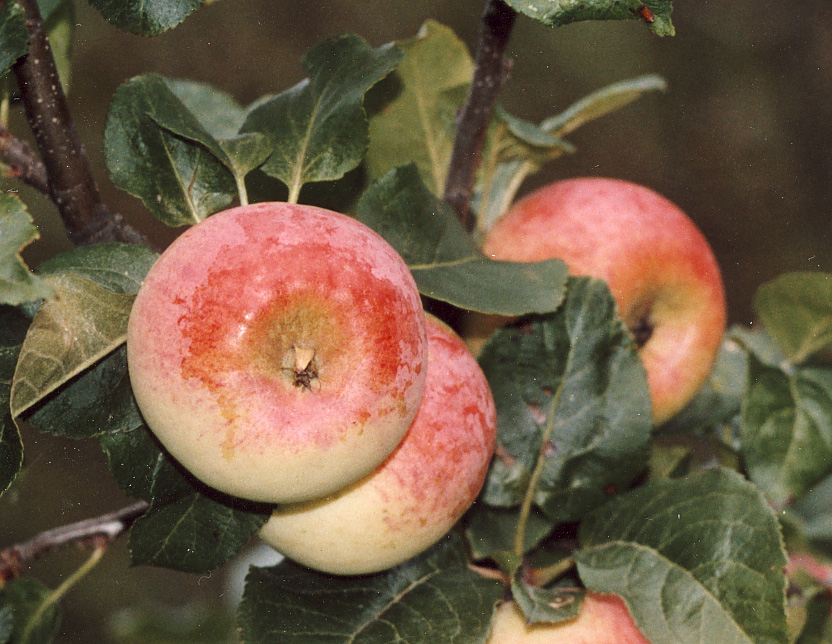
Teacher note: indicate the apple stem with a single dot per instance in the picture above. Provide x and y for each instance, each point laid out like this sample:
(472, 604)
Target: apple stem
(490, 73)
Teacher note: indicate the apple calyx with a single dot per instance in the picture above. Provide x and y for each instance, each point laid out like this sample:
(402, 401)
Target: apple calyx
(303, 371)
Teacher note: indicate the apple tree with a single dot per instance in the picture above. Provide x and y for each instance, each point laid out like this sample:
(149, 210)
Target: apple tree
(712, 526)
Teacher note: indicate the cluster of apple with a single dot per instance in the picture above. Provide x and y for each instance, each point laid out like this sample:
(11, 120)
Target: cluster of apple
(281, 354)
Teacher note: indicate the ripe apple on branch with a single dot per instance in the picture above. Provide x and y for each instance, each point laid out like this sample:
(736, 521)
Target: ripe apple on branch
(291, 372)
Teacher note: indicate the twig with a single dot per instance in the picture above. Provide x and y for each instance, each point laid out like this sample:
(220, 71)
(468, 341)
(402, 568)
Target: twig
(71, 183)
(96, 532)
(491, 70)
(21, 161)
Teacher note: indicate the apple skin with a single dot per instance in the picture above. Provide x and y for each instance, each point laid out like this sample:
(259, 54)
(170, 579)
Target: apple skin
(604, 619)
(278, 351)
(423, 488)
(658, 265)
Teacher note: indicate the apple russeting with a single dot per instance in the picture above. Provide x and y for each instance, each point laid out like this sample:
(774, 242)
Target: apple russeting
(603, 619)
(658, 265)
(423, 488)
(278, 351)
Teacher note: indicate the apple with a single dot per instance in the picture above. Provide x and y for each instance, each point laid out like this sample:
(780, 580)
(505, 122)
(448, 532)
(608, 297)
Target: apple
(423, 488)
(659, 267)
(278, 351)
(603, 619)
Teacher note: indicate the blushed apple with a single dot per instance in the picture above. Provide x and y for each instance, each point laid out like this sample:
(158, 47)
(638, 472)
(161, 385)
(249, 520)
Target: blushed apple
(419, 492)
(658, 265)
(278, 351)
(604, 619)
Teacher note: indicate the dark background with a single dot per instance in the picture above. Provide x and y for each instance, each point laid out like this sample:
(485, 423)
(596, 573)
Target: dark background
(741, 141)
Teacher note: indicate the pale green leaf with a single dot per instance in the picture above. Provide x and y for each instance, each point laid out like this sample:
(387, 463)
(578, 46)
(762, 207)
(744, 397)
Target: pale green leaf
(418, 124)
(796, 309)
(70, 332)
(515, 149)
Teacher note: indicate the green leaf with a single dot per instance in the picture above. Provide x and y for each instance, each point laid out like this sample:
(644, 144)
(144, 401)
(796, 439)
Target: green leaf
(602, 102)
(572, 406)
(35, 618)
(13, 326)
(154, 622)
(196, 533)
(563, 12)
(444, 259)
(418, 124)
(217, 111)
(514, 149)
(115, 266)
(786, 428)
(698, 559)
(720, 398)
(97, 401)
(17, 283)
(796, 309)
(158, 151)
(432, 598)
(817, 628)
(814, 514)
(141, 467)
(14, 37)
(146, 17)
(492, 530)
(6, 624)
(318, 127)
(545, 605)
(69, 333)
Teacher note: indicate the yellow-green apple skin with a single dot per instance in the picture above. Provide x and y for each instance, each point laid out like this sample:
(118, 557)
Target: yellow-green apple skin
(423, 488)
(658, 265)
(278, 351)
(604, 619)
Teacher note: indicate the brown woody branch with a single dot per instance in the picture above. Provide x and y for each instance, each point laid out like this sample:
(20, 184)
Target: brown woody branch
(491, 71)
(71, 184)
(22, 162)
(91, 533)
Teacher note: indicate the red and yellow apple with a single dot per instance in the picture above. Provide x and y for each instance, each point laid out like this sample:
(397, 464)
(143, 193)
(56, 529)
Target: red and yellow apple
(421, 490)
(658, 265)
(603, 619)
(278, 351)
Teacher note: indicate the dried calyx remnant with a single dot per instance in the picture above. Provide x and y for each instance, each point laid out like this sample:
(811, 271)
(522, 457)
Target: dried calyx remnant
(302, 369)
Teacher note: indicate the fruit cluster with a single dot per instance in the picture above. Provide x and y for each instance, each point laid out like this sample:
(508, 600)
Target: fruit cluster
(281, 354)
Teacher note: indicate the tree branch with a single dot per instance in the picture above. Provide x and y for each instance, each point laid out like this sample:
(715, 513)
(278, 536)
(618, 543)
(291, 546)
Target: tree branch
(21, 161)
(96, 532)
(71, 183)
(491, 70)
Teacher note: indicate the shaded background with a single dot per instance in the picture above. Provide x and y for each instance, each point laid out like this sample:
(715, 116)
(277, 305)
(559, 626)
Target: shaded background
(741, 141)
